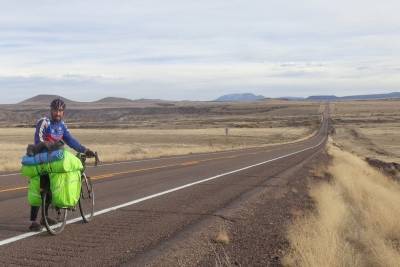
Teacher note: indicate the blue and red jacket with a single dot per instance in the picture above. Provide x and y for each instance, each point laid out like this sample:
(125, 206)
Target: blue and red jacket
(51, 131)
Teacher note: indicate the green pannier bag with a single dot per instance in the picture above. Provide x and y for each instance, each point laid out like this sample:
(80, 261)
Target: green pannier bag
(34, 197)
(65, 188)
(70, 163)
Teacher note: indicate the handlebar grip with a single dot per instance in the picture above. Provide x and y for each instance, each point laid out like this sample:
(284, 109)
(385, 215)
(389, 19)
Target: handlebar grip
(96, 159)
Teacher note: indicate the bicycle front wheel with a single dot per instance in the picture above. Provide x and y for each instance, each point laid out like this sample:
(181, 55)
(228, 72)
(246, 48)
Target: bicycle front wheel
(53, 218)
(86, 201)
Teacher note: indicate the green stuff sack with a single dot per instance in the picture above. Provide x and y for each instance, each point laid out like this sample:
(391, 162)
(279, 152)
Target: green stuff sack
(33, 171)
(70, 163)
(65, 188)
(34, 197)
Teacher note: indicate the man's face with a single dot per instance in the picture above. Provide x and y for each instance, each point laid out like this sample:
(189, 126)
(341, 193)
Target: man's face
(57, 114)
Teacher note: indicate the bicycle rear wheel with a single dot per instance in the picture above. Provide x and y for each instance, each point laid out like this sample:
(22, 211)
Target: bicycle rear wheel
(53, 218)
(86, 201)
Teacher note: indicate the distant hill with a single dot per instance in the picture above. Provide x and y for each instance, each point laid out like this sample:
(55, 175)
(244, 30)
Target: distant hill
(109, 100)
(373, 96)
(291, 98)
(354, 97)
(322, 97)
(44, 100)
(239, 97)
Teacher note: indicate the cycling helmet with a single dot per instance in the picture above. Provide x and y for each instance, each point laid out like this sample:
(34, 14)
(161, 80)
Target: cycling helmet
(57, 104)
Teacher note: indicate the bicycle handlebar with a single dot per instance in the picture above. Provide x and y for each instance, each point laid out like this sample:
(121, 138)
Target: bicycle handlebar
(83, 158)
(96, 159)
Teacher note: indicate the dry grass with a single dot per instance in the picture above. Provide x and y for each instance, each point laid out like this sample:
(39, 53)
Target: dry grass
(128, 144)
(369, 128)
(356, 220)
(222, 237)
(371, 140)
(378, 111)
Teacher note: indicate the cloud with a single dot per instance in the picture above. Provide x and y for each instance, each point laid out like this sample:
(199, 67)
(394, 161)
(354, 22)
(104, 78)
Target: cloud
(189, 49)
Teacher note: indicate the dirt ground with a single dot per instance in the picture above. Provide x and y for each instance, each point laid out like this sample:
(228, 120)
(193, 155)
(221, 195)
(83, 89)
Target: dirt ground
(175, 115)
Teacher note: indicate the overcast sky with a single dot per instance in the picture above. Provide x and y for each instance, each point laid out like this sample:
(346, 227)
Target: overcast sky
(199, 50)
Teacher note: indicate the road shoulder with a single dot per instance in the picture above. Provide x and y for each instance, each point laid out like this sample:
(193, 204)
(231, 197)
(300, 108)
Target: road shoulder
(249, 231)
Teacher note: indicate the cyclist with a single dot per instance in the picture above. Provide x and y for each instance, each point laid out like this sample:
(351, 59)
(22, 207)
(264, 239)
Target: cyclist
(49, 132)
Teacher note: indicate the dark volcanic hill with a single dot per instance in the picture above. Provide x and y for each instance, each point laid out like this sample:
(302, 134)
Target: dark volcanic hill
(44, 100)
(240, 97)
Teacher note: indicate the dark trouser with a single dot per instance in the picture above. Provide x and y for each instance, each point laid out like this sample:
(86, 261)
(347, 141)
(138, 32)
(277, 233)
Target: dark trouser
(44, 184)
(34, 213)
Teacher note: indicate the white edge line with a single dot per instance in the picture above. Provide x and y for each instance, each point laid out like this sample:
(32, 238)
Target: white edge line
(26, 235)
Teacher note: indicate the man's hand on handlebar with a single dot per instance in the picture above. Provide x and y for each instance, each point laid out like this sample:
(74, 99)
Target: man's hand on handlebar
(89, 153)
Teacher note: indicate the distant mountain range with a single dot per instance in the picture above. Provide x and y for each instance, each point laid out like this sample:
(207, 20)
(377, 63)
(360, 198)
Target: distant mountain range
(116, 111)
(246, 97)
(354, 97)
(251, 97)
(239, 97)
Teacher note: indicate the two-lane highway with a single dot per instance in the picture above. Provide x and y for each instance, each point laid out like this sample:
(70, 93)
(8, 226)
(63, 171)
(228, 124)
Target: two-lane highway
(140, 204)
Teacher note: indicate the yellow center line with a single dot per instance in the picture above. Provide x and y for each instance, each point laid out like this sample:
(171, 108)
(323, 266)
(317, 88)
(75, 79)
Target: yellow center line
(13, 189)
(190, 163)
(110, 175)
(187, 163)
(252, 153)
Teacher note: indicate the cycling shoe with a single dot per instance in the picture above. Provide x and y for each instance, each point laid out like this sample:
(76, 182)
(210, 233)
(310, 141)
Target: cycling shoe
(35, 227)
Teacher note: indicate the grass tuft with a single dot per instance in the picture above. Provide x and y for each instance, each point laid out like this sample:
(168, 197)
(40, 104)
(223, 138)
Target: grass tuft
(222, 237)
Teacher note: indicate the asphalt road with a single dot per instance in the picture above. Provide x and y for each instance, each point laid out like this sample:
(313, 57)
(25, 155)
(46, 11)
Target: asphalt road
(142, 204)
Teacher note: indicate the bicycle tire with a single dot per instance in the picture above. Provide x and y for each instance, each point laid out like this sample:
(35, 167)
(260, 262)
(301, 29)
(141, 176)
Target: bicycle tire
(57, 214)
(86, 200)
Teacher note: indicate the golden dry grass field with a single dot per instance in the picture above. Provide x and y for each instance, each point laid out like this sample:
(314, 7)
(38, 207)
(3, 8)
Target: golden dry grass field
(131, 131)
(127, 144)
(356, 218)
(369, 128)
